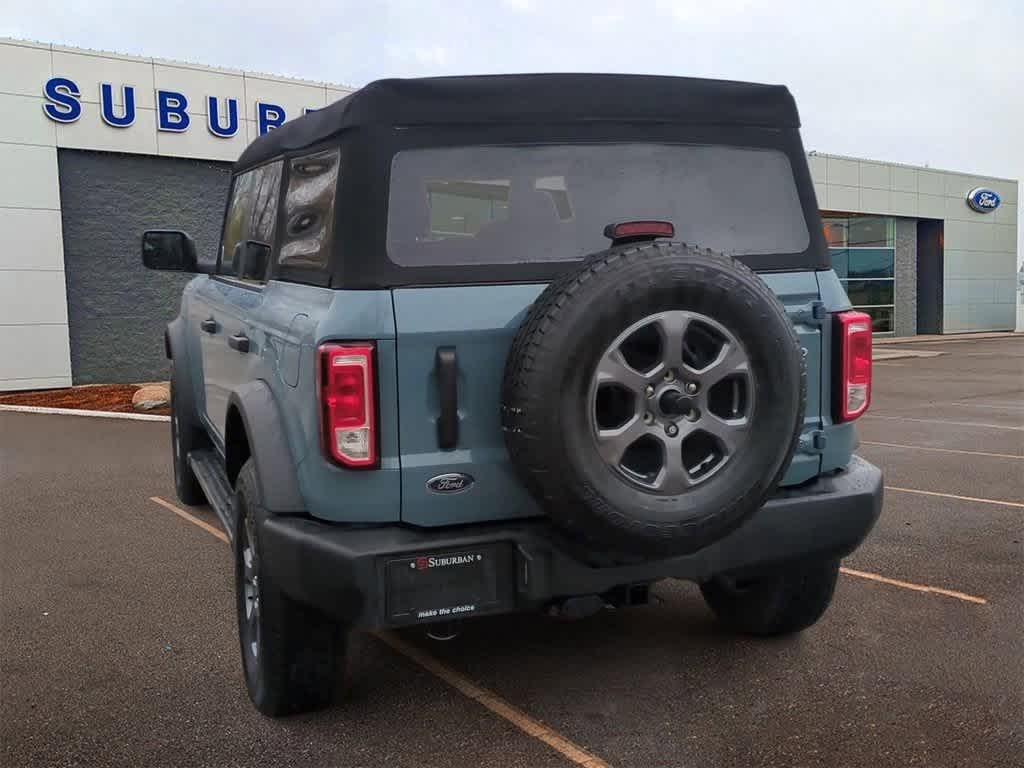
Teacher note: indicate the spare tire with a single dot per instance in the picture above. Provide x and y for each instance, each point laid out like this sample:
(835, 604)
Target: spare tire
(653, 398)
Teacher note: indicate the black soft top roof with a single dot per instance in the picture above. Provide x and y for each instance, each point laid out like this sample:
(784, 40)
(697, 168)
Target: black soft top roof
(548, 98)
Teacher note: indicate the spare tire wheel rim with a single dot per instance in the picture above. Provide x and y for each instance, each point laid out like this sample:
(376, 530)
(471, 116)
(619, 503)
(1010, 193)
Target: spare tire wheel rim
(671, 401)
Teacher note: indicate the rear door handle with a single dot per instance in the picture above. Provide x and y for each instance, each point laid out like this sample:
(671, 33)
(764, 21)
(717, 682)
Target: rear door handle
(239, 342)
(446, 369)
(209, 325)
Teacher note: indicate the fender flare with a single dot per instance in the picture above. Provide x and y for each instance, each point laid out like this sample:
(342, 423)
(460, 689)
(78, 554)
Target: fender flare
(268, 447)
(176, 350)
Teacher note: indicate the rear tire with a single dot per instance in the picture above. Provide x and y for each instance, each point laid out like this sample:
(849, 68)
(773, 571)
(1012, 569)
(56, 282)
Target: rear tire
(185, 435)
(292, 655)
(777, 602)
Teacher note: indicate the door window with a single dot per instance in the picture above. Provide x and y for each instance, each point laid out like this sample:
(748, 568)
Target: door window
(251, 223)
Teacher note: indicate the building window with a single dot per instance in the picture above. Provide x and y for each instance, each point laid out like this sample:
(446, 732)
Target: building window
(863, 250)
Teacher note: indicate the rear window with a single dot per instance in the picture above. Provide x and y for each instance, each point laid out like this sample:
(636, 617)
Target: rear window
(513, 204)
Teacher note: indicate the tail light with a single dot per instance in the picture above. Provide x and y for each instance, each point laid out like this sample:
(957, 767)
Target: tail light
(348, 413)
(854, 351)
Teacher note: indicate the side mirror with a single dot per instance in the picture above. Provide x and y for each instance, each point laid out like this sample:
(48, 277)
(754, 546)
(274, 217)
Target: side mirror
(168, 249)
(249, 260)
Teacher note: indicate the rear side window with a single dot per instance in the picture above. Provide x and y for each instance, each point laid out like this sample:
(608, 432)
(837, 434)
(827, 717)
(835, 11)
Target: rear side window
(309, 211)
(514, 204)
(251, 219)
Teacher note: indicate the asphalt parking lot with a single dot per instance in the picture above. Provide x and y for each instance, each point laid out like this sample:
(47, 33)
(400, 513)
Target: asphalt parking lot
(118, 644)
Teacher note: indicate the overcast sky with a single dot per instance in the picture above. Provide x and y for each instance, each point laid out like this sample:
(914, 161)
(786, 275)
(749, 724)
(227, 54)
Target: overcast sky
(938, 82)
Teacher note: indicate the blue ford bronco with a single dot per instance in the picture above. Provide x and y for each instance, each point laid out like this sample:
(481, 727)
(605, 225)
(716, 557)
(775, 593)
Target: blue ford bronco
(476, 345)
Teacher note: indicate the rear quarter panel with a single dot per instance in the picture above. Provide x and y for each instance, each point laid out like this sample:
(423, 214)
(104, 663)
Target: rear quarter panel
(297, 319)
(840, 439)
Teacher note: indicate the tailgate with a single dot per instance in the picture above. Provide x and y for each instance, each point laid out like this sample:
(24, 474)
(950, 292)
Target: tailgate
(477, 325)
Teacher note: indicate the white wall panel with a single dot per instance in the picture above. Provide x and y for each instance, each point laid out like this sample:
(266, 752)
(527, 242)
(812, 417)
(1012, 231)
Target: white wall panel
(24, 121)
(931, 206)
(1005, 214)
(90, 132)
(843, 198)
(54, 382)
(874, 201)
(29, 297)
(199, 142)
(957, 208)
(958, 264)
(1004, 237)
(32, 239)
(29, 353)
(844, 172)
(28, 177)
(958, 185)
(24, 68)
(931, 182)
(981, 235)
(957, 235)
(903, 203)
(875, 175)
(904, 179)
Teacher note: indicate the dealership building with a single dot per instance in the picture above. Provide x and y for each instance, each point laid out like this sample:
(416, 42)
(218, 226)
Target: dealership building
(97, 147)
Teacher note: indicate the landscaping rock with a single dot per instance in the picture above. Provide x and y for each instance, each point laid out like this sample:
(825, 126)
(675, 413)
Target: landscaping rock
(151, 396)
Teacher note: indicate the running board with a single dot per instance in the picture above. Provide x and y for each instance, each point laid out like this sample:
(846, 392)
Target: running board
(209, 471)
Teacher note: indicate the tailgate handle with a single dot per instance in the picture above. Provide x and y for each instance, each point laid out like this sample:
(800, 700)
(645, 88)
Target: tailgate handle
(446, 369)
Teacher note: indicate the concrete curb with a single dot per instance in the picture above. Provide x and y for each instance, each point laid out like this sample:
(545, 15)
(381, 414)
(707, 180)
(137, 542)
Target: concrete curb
(939, 339)
(899, 354)
(78, 412)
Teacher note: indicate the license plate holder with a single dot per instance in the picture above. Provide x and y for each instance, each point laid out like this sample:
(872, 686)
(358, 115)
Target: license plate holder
(449, 584)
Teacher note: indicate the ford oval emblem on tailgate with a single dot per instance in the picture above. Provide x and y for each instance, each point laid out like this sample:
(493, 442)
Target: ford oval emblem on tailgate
(452, 482)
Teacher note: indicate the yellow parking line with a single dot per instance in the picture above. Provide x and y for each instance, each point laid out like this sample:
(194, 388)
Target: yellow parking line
(565, 747)
(916, 587)
(491, 701)
(997, 502)
(944, 450)
(191, 518)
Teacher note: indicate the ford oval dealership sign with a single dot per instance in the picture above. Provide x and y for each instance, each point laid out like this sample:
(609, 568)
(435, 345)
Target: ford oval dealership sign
(983, 200)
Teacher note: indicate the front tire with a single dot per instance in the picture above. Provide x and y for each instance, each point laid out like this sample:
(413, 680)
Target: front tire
(292, 655)
(777, 602)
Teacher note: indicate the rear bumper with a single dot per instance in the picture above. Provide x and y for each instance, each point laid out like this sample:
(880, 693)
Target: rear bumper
(346, 572)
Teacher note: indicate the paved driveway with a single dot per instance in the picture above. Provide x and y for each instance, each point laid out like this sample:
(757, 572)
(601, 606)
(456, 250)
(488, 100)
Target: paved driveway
(118, 644)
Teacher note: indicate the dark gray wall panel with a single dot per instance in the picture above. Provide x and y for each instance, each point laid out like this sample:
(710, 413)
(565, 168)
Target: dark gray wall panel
(906, 277)
(117, 310)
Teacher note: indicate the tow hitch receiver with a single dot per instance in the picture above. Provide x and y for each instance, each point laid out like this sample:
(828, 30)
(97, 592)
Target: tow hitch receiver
(572, 608)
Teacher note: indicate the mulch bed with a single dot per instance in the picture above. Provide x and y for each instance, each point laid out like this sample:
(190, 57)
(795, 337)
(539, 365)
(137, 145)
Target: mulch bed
(101, 397)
